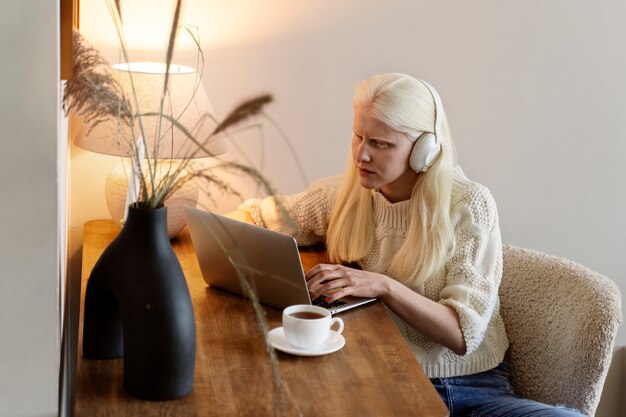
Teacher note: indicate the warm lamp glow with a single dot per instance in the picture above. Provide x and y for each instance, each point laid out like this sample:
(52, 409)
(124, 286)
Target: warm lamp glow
(187, 102)
(153, 68)
(222, 23)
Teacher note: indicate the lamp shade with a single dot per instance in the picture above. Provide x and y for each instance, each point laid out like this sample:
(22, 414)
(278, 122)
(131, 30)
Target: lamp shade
(186, 102)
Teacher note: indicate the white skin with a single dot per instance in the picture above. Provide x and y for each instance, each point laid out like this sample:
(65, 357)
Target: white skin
(381, 155)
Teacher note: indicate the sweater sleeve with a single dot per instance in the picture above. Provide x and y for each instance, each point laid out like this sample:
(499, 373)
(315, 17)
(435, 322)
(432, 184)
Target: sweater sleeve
(474, 270)
(304, 216)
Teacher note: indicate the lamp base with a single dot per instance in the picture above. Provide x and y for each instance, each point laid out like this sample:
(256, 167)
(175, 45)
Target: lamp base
(116, 189)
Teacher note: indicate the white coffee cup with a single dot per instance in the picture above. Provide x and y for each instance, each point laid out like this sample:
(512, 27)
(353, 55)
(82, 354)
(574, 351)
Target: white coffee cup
(307, 326)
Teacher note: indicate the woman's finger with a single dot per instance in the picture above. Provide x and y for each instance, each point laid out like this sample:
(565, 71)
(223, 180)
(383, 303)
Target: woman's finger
(319, 268)
(327, 280)
(326, 273)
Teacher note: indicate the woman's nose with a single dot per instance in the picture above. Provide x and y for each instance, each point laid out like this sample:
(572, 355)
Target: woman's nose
(362, 154)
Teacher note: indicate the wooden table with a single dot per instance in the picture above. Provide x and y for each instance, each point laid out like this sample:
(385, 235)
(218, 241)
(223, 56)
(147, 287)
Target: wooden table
(375, 374)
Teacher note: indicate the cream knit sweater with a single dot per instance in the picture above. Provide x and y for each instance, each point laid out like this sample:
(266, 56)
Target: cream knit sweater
(468, 283)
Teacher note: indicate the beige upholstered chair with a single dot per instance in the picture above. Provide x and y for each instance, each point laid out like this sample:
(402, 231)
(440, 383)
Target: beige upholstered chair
(561, 320)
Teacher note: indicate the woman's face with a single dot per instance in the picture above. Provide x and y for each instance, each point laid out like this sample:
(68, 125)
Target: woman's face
(381, 155)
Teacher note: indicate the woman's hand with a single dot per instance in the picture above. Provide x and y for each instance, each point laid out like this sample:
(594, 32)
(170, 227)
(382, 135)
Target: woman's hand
(434, 320)
(240, 215)
(340, 281)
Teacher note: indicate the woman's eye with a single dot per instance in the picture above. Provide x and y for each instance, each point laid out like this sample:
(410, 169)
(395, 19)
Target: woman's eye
(380, 144)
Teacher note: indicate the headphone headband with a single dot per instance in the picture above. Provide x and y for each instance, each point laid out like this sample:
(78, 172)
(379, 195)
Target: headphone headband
(427, 147)
(438, 108)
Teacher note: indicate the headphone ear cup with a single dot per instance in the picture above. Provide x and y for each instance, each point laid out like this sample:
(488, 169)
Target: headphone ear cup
(424, 152)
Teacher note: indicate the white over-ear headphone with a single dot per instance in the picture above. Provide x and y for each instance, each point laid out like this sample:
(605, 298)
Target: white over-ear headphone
(428, 146)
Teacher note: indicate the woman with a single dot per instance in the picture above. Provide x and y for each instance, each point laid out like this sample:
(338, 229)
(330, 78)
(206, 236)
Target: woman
(425, 238)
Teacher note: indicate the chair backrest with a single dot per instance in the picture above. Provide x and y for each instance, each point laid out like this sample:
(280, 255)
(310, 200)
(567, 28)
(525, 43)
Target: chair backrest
(561, 319)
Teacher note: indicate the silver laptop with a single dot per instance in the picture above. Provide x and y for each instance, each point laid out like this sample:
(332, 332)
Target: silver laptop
(269, 260)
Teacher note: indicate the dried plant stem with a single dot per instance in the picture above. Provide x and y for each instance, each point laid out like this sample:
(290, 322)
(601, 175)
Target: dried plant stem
(243, 111)
(115, 12)
(97, 95)
(93, 79)
(243, 269)
(168, 62)
(279, 402)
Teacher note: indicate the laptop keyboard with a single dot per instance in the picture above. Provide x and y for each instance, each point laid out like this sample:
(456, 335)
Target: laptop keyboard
(321, 302)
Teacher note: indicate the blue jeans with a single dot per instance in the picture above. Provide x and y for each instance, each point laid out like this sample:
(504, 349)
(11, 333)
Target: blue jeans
(488, 394)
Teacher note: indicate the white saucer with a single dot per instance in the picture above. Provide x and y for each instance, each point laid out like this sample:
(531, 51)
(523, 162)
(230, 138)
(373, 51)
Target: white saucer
(280, 342)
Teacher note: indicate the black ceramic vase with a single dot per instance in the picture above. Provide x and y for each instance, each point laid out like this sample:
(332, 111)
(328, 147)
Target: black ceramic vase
(137, 305)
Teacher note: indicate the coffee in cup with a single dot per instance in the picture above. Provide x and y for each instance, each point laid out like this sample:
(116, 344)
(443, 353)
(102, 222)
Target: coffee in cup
(307, 326)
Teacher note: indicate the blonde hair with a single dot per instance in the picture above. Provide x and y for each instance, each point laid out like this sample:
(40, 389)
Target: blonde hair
(404, 104)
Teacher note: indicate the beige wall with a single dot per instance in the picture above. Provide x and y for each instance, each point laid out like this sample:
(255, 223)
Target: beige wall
(29, 267)
(535, 93)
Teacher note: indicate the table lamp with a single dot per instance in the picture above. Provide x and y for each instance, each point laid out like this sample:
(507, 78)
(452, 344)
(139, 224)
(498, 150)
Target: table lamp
(187, 103)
